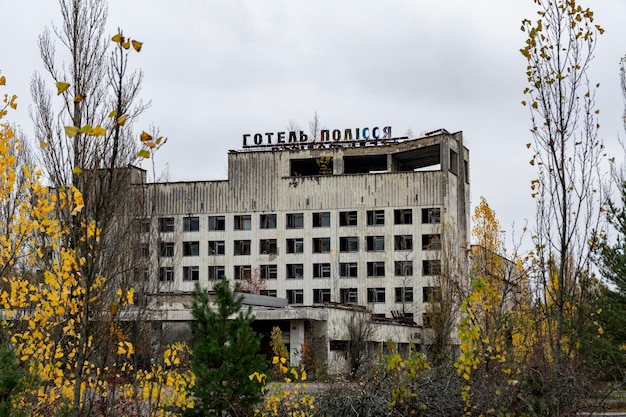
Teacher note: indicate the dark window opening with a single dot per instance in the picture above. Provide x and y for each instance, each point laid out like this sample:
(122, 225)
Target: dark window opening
(268, 246)
(349, 244)
(191, 273)
(191, 248)
(295, 271)
(267, 221)
(243, 222)
(166, 224)
(375, 269)
(243, 272)
(431, 215)
(216, 272)
(321, 270)
(403, 242)
(364, 164)
(295, 296)
(191, 224)
(321, 244)
(321, 296)
(295, 220)
(375, 217)
(295, 245)
(242, 247)
(321, 219)
(375, 243)
(403, 268)
(348, 218)
(431, 267)
(375, 295)
(431, 242)
(217, 223)
(349, 295)
(269, 272)
(348, 270)
(404, 294)
(311, 166)
(217, 247)
(403, 216)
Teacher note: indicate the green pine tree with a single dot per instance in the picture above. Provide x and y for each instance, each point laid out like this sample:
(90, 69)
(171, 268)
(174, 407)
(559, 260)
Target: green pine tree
(612, 299)
(225, 354)
(12, 377)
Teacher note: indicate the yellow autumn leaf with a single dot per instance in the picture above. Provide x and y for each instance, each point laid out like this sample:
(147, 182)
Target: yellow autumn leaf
(145, 137)
(43, 144)
(3, 80)
(77, 170)
(144, 153)
(86, 129)
(137, 45)
(71, 131)
(78, 98)
(130, 295)
(113, 113)
(118, 38)
(126, 44)
(61, 87)
(122, 120)
(98, 131)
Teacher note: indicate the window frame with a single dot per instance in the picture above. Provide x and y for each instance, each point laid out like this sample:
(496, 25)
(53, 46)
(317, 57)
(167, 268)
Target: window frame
(295, 296)
(242, 247)
(213, 272)
(403, 268)
(167, 249)
(376, 269)
(375, 217)
(242, 222)
(321, 244)
(404, 294)
(402, 242)
(191, 224)
(166, 274)
(267, 221)
(268, 247)
(191, 273)
(321, 219)
(321, 270)
(348, 244)
(321, 295)
(376, 295)
(191, 248)
(294, 271)
(217, 223)
(294, 221)
(217, 247)
(348, 218)
(293, 248)
(373, 243)
(268, 271)
(167, 225)
(403, 216)
(348, 269)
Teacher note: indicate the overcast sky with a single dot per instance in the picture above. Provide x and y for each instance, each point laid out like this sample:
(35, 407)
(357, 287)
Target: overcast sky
(215, 70)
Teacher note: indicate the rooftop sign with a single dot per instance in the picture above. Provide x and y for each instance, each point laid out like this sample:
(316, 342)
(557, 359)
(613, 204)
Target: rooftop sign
(327, 136)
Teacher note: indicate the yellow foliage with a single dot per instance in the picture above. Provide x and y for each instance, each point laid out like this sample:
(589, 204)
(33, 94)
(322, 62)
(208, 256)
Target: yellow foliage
(43, 310)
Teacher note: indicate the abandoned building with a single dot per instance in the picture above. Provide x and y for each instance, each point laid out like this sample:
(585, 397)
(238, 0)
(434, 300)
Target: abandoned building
(319, 227)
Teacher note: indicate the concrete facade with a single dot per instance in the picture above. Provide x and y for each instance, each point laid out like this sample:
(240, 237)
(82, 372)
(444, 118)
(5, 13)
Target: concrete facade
(341, 223)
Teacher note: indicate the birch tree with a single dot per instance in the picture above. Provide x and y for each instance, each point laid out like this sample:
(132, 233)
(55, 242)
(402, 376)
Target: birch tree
(568, 156)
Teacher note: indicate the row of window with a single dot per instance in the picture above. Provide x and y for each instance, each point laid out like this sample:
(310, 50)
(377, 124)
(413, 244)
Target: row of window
(294, 220)
(351, 295)
(296, 271)
(296, 245)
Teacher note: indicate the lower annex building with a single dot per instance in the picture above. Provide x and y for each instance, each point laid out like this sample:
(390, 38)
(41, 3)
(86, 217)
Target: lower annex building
(325, 223)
